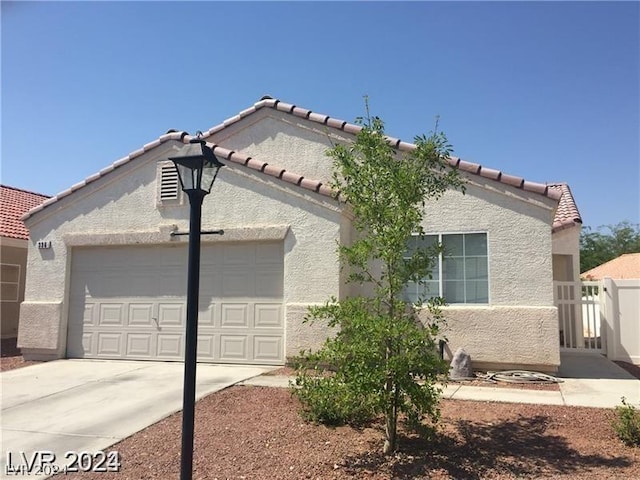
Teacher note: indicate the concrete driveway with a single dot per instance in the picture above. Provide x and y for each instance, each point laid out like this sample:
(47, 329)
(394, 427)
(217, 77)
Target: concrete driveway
(88, 405)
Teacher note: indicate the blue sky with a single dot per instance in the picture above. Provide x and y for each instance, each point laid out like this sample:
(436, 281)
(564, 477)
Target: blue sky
(544, 90)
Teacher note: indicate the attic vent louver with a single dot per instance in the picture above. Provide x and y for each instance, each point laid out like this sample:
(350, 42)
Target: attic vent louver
(169, 183)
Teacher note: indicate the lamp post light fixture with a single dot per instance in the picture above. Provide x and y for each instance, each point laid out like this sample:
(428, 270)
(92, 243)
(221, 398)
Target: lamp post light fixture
(197, 168)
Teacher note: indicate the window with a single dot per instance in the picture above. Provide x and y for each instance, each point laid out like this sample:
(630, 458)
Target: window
(461, 274)
(9, 282)
(168, 184)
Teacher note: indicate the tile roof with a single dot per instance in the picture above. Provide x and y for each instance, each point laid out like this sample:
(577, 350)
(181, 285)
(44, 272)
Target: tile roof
(622, 267)
(296, 179)
(14, 203)
(567, 214)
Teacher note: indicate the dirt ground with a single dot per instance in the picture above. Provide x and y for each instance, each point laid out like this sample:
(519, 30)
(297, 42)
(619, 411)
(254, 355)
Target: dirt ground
(10, 356)
(256, 433)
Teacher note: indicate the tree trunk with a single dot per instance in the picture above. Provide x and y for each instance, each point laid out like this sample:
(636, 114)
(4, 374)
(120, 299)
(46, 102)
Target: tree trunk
(391, 427)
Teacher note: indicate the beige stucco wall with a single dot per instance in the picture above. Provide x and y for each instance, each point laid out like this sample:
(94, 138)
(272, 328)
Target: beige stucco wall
(12, 252)
(519, 324)
(121, 208)
(566, 251)
(293, 143)
(518, 225)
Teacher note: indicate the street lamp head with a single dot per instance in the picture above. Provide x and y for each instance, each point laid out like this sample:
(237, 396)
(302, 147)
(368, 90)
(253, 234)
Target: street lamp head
(197, 166)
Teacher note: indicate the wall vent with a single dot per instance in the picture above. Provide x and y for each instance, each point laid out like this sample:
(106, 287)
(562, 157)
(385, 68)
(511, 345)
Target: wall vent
(168, 184)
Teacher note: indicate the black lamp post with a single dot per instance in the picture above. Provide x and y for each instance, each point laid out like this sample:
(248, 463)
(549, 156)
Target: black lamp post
(197, 168)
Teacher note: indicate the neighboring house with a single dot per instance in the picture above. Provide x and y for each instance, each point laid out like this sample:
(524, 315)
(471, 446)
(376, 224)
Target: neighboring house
(14, 238)
(625, 266)
(116, 277)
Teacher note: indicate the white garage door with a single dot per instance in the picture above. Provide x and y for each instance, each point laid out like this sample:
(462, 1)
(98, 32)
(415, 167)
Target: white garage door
(130, 303)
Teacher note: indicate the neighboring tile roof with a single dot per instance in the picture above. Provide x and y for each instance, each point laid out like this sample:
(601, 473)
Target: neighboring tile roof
(625, 266)
(14, 203)
(567, 214)
(290, 177)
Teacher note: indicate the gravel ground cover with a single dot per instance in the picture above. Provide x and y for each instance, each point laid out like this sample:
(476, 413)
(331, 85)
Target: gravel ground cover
(249, 432)
(10, 356)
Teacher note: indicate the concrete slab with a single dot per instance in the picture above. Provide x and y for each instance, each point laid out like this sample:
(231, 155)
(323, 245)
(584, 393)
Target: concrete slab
(590, 365)
(511, 395)
(592, 380)
(88, 405)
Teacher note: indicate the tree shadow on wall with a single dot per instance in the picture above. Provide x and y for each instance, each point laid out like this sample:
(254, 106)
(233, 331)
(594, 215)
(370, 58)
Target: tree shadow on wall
(521, 448)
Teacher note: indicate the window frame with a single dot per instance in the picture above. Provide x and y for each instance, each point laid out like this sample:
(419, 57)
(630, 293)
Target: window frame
(439, 235)
(16, 283)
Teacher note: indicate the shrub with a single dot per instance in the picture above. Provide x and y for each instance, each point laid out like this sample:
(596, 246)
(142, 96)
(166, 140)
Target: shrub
(327, 400)
(627, 424)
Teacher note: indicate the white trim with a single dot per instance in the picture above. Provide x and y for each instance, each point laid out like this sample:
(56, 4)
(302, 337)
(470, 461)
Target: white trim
(14, 242)
(440, 264)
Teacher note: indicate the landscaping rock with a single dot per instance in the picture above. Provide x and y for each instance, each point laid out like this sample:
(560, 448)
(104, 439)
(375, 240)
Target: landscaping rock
(461, 365)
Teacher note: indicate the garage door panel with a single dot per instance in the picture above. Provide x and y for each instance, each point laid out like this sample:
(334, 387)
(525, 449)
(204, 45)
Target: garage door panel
(237, 283)
(111, 314)
(88, 317)
(238, 255)
(269, 253)
(234, 348)
(268, 316)
(170, 346)
(267, 348)
(144, 283)
(140, 345)
(206, 347)
(268, 282)
(141, 315)
(172, 282)
(171, 314)
(109, 344)
(130, 302)
(206, 315)
(234, 315)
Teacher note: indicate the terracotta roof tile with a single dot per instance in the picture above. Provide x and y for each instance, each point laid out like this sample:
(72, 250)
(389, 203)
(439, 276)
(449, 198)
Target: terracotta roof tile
(623, 267)
(14, 203)
(562, 219)
(318, 117)
(567, 214)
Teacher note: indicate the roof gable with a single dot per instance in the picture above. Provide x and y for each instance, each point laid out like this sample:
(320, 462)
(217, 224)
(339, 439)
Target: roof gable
(553, 192)
(14, 203)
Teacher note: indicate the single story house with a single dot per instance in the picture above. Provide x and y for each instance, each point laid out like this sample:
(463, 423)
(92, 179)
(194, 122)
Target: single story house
(113, 283)
(14, 239)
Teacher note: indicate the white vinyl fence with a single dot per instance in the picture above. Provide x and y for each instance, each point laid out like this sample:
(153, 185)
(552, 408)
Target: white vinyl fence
(579, 306)
(601, 317)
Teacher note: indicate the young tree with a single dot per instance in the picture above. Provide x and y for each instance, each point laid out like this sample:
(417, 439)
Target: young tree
(385, 359)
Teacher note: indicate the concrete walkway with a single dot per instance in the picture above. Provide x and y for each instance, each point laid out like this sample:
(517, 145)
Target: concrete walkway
(88, 405)
(588, 381)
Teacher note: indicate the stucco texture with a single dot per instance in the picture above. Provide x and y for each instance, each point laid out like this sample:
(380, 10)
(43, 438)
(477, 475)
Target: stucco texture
(122, 208)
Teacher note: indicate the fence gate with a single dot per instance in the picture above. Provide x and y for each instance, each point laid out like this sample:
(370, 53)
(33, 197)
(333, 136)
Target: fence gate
(579, 305)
